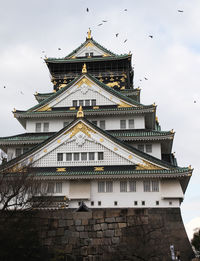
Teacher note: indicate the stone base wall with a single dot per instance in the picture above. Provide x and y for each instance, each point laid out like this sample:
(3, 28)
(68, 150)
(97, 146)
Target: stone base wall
(114, 234)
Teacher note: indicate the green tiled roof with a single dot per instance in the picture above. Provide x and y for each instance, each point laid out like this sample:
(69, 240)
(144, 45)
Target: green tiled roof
(139, 133)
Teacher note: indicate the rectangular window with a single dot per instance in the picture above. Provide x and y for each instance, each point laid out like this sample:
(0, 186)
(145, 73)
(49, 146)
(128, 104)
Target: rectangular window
(80, 102)
(87, 102)
(94, 122)
(131, 124)
(75, 103)
(99, 203)
(84, 156)
(102, 124)
(115, 203)
(101, 186)
(157, 203)
(46, 126)
(68, 156)
(65, 123)
(86, 54)
(91, 155)
(123, 186)
(148, 148)
(76, 156)
(50, 188)
(122, 124)
(155, 185)
(18, 152)
(132, 186)
(100, 155)
(135, 203)
(60, 157)
(147, 185)
(92, 203)
(91, 54)
(143, 203)
(93, 102)
(58, 187)
(38, 127)
(141, 147)
(109, 186)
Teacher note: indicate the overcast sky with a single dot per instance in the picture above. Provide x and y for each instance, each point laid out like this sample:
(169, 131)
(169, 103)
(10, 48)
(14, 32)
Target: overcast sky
(170, 60)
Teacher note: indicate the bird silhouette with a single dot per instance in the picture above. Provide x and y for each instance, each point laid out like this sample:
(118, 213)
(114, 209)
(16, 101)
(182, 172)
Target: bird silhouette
(125, 10)
(145, 78)
(180, 11)
(43, 51)
(59, 49)
(195, 102)
(151, 36)
(100, 24)
(117, 34)
(4, 87)
(87, 9)
(125, 40)
(22, 93)
(104, 21)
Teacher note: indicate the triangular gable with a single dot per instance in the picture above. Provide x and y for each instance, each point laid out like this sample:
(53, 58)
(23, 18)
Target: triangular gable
(89, 48)
(82, 136)
(84, 88)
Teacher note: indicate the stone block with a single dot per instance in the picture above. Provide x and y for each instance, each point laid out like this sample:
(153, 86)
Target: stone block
(68, 233)
(83, 234)
(99, 234)
(97, 227)
(120, 219)
(60, 231)
(69, 222)
(84, 251)
(98, 214)
(115, 240)
(82, 215)
(61, 223)
(118, 232)
(112, 213)
(109, 233)
(75, 234)
(92, 221)
(112, 226)
(110, 220)
(51, 233)
(80, 228)
(101, 220)
(121, 225)
(64, 240)
(92, 234)
(84, 222)
(78, 222)
(68, 248)
(104, 226)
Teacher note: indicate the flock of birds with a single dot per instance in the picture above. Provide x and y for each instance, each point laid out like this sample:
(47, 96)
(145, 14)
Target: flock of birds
(116, 35)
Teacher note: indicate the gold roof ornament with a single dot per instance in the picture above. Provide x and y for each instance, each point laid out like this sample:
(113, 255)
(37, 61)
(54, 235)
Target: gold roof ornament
(80, 113)
(84, 69)
(14, 110)
(156, 118)
(89, 34)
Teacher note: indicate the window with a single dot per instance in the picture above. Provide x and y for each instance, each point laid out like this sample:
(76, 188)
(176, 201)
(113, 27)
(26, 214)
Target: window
(99, 203)
(58, 187)
(131, 124)
(18, 152)
(170, 202)
(135, 203)
(91, 155)
(123, 186)
(109, 186)
(75, 103)
(93, 102)
(80, 102)
(122, 124)
(65, 123)
(92, 203)
(68, 156)
(50, 187)
(132, 186)
(100, 155)
(101, 186)
(147, 185)
(102, 124)
(87, 102)
(84, 156)
(60, 157)
(141, 147)
(86, 54)
(38, 127)
(94, 122)
(46, 126)
(155, 185)
(79, 203)
(157, 203)
(115, 203)
(143, 203)
(148, 148)
(91, 54)
(76, 156)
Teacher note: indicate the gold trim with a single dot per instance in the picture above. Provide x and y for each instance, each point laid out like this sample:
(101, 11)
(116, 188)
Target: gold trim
(73, 57)
(84, 69)
(89, 34)
(58, 141)
(62, 85)
(72, 108)
(115, 149)
(96, 107)
(98, 168)
(60, 169)
(45, 108)
(80, 127)
(80, 113)
(84, 80)
(112, 84)
(130, 156)
(124, 105)
(45, 150)
(147, 165)
(89, 44)
(101, 140)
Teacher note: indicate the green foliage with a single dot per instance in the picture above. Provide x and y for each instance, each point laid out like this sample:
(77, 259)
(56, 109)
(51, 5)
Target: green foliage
(196, 242)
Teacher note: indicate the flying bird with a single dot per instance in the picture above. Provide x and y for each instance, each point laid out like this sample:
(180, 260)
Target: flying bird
(151, 36)
(87, 9)
(104, 21)
(195, 102)
(140, 80)
(145, 78)
(180, 11)
(22, 93)
(125, 40)
(117, 34)
(100, 24)
(43, 51)
(59, 49)
(4, 87)
(125, 10)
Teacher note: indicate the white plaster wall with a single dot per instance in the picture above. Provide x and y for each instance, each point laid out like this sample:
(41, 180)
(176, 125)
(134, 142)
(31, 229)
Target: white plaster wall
(156, 148)
(89, 49)
(124, 199)
(11, 153)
